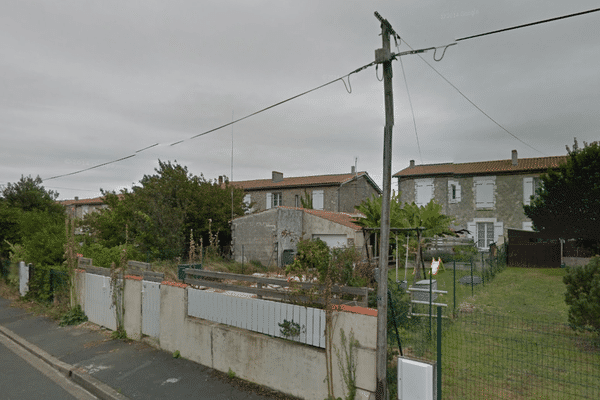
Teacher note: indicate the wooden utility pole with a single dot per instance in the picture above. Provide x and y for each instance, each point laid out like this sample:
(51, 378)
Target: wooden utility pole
(384, 56)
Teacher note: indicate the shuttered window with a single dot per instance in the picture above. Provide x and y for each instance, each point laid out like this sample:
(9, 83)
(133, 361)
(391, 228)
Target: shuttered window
(318, 199)
(484, 192)
(423, 191)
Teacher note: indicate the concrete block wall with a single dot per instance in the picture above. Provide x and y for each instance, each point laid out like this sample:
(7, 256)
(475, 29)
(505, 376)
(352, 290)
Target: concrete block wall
(283, 365)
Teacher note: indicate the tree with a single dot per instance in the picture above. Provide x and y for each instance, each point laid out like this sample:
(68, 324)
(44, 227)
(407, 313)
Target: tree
(28, 195)
(31, 217)
(583, 295)
(161, 211)
(567, 204)
(410, 215)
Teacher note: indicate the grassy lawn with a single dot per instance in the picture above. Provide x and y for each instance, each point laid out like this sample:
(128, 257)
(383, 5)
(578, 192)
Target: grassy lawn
(510, 340)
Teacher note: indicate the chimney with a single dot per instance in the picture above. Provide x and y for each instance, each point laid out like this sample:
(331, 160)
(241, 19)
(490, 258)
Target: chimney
(515, 159)
(277, 176)
(76, 198)
(353, 169)
(220, 180)
(412, 164)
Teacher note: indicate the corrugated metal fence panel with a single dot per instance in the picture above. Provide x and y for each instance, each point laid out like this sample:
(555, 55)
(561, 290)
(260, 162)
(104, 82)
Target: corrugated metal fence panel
(258, 315)
(151, 308)
(98, 301)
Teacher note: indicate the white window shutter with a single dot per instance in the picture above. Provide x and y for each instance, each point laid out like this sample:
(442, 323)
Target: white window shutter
(318, 199)
(457, 192)
(423, 191)
(484, 193)
(269, 200)
(498, 231)
(527, 190)
(472, 228)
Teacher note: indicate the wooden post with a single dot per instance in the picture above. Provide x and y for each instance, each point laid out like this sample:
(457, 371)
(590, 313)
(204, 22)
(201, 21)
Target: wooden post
(383, 56)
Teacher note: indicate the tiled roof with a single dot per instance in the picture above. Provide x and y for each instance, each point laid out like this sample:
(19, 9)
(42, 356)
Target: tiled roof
(82, 202)
(302, 181)
(337, 217)
(540, 164)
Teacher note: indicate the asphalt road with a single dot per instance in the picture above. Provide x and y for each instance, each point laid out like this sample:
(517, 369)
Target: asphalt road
(24, 376)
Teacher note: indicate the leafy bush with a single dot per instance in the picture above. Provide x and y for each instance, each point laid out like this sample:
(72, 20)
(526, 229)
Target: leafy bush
(104, 256)
(583, 295)
(47, 282)
(74, 316)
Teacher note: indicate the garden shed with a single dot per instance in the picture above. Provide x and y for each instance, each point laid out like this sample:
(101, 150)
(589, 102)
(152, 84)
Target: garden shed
(270, 236)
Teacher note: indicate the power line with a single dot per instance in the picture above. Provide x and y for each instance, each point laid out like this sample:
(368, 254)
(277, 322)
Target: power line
(225, 125)
(529, 24)
(475, 105)
(87, 169)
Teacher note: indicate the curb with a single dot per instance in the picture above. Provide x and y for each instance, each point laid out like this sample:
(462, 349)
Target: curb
(86, 381)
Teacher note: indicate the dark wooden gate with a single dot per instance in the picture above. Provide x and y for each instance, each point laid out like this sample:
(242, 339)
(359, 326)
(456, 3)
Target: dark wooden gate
(532, 250)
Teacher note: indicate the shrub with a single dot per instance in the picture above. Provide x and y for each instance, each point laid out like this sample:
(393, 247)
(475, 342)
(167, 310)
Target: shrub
(74, 316)
(48, 282)
(583, 295)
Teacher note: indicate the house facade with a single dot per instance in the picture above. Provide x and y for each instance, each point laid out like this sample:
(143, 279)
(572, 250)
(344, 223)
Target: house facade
(270, 236)
(486, 198)
(336, 193)
(79, 208)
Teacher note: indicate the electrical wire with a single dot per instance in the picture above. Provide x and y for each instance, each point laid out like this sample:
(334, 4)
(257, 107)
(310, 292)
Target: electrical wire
(411, 110)
(87, 169)
(398, 42)
(529, 24)
(476, 106)
(225, 125)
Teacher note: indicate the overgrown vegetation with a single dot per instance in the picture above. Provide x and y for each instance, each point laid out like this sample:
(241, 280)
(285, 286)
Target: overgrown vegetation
(163, 210)
(74, 316)
(583, 296)
(567, 203)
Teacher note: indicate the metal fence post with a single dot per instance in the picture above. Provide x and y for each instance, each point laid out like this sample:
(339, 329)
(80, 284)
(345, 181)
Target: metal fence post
(454, 286)
(439, 352)
(471, 276)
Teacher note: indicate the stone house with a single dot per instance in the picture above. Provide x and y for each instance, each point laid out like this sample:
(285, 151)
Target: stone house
(270, 236)
(78, 208)
(485, 197)
(336, 193)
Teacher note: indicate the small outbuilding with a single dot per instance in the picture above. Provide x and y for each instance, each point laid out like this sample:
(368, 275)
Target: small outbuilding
(270, 236)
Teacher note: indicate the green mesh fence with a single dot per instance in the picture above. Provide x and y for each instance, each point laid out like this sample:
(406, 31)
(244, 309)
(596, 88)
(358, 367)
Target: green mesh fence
(499, 357)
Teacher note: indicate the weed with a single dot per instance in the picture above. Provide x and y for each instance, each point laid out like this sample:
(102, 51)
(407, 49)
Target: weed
(230, 374)
(74, 316)
(176, 354)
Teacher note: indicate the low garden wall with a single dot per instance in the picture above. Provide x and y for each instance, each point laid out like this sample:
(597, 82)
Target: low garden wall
(287, 366)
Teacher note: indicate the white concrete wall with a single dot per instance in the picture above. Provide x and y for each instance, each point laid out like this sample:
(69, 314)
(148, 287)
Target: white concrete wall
(132, 320)
(283, 365)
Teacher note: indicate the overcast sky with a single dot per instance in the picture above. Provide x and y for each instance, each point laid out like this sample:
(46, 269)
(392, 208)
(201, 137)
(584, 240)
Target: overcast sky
(86, 82)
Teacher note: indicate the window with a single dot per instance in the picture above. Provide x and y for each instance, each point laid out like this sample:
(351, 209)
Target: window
(485, 234)
(454, 192)
(297, 201)
(530, 187)
(318, 199)
(423, 191)
(247, 202)
(274, 200)
(277, 199)
(485, 231)
(484, 191)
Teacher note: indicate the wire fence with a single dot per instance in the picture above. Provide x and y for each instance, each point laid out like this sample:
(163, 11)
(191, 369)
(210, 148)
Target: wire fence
(488, 356)
(499, 357)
